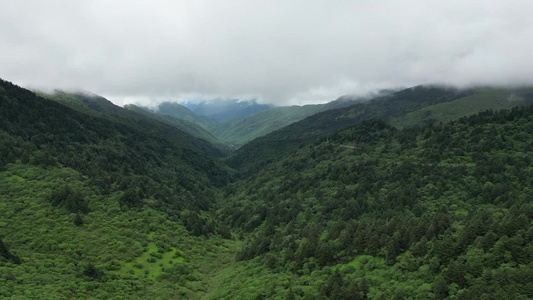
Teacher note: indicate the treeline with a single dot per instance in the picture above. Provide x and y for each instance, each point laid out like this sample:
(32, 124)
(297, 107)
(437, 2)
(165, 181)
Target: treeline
(258, 153)
(447, 204)
(149, 162)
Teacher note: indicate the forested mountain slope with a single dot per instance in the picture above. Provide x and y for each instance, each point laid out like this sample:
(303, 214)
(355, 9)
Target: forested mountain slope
(43, 132)
(95, 105)
(187, 126)
(483, 98)
(259, 152)
(179, 111)
(222, 110)
(410, 107)
(239, 131)
(248, 122)
(376, 213)
(100, 202)
(96, 205)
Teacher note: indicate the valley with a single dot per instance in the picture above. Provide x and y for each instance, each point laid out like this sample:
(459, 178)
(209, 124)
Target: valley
(421, 193)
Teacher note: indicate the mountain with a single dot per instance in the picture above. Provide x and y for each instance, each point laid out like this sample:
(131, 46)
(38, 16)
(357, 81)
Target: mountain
(222, 110)
(407, 107)
(98, 201)
(239, 131)
(181, 112)
(437, 212)
(238, 122)
(187, 126)
(119, 140)
(101, 202)
(483, 98)
(92, 104)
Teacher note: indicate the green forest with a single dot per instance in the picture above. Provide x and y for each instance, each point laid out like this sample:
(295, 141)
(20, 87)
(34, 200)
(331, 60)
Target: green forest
(407, 196)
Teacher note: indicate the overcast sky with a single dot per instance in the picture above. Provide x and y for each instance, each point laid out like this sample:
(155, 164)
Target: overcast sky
(282, 52)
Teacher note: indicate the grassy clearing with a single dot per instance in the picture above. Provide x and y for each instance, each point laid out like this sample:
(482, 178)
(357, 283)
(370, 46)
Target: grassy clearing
(484, 99)
(151, 263)
(357, 263)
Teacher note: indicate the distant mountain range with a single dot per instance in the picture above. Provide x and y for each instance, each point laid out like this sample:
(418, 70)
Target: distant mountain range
(99, 106)
(222, 110)
(411, 107)
(230, 124)
(238, 122)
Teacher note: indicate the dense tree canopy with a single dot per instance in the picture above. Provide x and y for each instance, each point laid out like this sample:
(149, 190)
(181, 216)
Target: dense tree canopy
(448, 205)
(100, 202)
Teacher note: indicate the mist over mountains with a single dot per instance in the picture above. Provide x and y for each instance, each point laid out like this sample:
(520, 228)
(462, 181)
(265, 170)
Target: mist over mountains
(236, 150)
(222, 110)
(420, 192)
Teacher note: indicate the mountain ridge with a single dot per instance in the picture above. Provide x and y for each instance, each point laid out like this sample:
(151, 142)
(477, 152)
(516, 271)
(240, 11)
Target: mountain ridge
(396, 108)
(100, 202)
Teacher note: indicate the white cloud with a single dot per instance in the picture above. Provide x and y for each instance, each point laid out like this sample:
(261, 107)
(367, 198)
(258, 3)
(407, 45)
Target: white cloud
(280, 51)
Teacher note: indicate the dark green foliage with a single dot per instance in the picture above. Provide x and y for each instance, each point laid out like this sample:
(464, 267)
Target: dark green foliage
(92, 272)
(256, 154)
(131, 198)
(405, 108)
(367, 212)
(183, 124)
(95, 105)
(453, 198)
(78, 220)
(7, 255)
(114, 147)
(72, 200)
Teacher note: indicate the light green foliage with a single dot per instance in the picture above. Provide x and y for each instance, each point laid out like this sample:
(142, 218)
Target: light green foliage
(182, 124)
(482, 99)
(152, 262)
(239, 131)
(411, 107)
(118, 243)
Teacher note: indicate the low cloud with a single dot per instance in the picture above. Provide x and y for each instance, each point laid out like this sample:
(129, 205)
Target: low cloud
(282, 52)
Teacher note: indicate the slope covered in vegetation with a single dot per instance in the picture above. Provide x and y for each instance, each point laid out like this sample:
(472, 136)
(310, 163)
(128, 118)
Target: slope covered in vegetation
(373, 212)
(187, 126)
(100, 202)
(261, 151)
(239, 131)
(481, 99)
(133, 116)
(222, 110)
(406, 108)
(179, 111)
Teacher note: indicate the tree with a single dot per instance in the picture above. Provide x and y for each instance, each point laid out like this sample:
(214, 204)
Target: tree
(4, 252)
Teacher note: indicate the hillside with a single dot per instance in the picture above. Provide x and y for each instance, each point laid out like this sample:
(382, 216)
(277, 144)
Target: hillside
(95, 205)
(102, 202)
(181, 112)
(222, 110)
(410, 107)
(482, 99)
(239, 131)
(182, 124)
(242, 130)
(94, 105)
(376, 213)
(43, 132)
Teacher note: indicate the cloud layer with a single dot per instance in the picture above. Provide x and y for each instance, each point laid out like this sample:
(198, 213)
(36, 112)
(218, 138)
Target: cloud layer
(279, 51)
